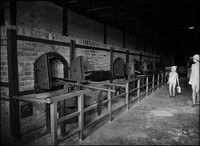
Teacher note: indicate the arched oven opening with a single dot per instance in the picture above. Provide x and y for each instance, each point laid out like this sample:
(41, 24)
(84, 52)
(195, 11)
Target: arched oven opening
(47, 67)
(119, 70)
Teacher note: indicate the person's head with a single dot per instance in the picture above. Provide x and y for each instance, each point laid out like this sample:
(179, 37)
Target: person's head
(173, 68)
(196, 58)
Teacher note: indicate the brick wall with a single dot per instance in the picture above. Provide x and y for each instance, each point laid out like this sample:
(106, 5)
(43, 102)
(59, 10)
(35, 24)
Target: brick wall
(131, 43)
(94, 59)
(4, 61)
(5, 113)
(40, 14)
(114, 37)
(84, 28)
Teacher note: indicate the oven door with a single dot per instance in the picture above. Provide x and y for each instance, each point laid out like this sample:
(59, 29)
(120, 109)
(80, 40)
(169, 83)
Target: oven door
(42, 73)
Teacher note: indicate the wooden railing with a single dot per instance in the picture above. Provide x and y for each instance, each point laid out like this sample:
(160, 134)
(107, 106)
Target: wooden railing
(150, 84)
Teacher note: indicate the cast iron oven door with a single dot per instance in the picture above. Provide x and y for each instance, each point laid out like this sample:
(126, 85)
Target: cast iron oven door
(118, 68)
(47, 67)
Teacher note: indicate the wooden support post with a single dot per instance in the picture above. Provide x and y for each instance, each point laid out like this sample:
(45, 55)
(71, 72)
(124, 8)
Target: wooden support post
(65, 21)
(61, 114)
(110, 105)
(158, 78)
(127, 96)
(105, 34)
(140, 69)
(53, 112)
(162, 75)
(14, 105)
(138, 90)
(127, 60)
(72, 50)
(111, 64)
(147, 85)
(153, 80)
(124, 40)
(81, 116)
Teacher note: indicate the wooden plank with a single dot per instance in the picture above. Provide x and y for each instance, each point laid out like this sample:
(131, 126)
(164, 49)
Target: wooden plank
(162, 78)
(74, 114)
(140, 68)
(92, 87)
(81, 116)
(124, 40)
(158, 81)
(41, 40)
(13, 76)
(153, 82)
(109, 84)
(49, 98)
(61, 111)
(53, 112)
(110, 105)
(147, 85)
(44, 95)
(105, 34)
(118, 96)
(32, 99)
(133, 90)
(90, 47)
(69, 95)
(95, 105)
(127, 96)
(65, 21)
(87, 86)
(138, 91)
(72, 50)
(111, 64)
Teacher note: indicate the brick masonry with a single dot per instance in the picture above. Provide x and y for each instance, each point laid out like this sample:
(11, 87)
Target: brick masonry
(84, 28)
(3, 54)
(5, 112)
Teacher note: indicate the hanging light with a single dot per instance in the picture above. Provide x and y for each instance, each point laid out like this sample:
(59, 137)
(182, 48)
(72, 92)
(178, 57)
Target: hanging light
(191, 27)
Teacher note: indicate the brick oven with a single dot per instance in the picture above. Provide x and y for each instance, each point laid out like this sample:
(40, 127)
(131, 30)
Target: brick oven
(47, 67)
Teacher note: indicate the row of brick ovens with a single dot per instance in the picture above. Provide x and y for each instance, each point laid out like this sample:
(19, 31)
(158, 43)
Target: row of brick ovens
(53, 73)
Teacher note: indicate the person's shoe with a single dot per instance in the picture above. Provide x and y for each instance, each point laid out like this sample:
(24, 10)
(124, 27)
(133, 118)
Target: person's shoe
(193, 105)
(197, 102)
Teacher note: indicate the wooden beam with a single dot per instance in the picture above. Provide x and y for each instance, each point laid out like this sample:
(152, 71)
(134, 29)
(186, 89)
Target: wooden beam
(111, 64)
(41, 40)
(69, 95)
(86, 86)
(65, 21)
(98, 8)
(124, 40)
(72, 50)
(13, 81)
(81, 116)
(105, 34)
(53, 113)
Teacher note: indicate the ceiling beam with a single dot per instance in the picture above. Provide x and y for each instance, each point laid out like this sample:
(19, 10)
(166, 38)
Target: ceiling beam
(98, 8)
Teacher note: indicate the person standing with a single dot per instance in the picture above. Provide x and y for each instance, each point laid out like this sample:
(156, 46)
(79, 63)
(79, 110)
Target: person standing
(194, 80)
(172, 81)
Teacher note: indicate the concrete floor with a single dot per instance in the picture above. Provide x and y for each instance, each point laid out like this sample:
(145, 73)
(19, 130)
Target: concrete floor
(156, 120)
